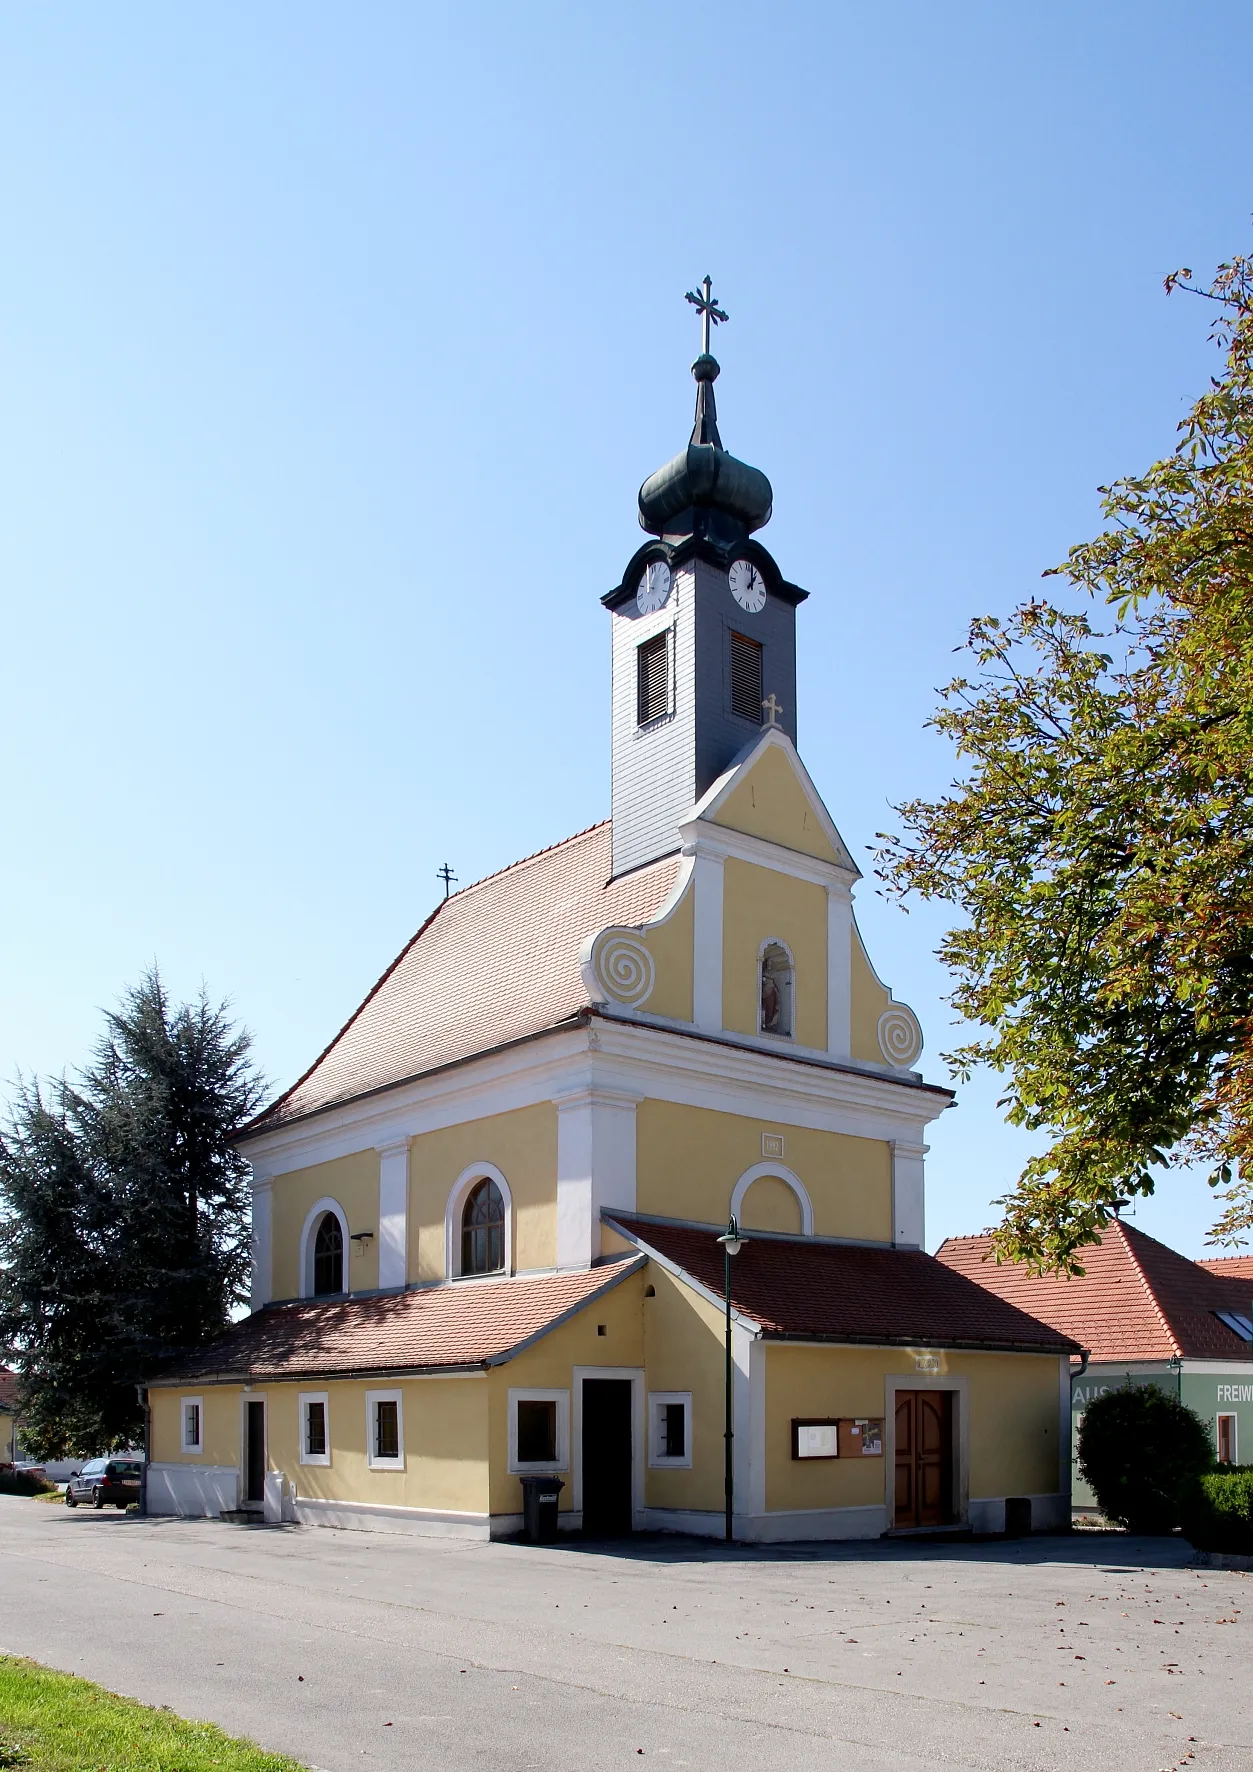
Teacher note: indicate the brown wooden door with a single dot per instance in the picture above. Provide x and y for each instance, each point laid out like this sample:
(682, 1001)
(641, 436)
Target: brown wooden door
(924, 1458)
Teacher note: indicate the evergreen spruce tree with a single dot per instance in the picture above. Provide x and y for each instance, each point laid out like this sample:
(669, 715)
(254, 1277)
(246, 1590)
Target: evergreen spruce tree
(123, 1216)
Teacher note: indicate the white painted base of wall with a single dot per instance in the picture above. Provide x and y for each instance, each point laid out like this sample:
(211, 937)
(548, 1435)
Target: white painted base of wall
(794, 1525)
(194, 1491)
(1049, 1513)
(368, 1516)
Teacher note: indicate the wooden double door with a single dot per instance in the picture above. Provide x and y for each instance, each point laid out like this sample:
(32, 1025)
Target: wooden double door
(924, 1458)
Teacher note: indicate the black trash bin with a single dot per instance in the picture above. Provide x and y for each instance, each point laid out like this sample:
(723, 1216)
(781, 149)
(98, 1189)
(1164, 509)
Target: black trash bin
(1017, 1516)
(540, 1496)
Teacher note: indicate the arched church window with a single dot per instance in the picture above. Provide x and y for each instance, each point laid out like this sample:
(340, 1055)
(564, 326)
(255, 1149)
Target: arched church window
(483, 1229)
(776, 984)
(328, 1257)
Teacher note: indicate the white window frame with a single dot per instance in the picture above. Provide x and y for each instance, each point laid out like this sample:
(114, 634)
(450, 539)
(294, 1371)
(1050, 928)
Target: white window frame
(303, 1401)
(545, 1467)
(384, 1464)
(195, 1450)
(657, 1458)
(1231, 1416)
(472, 1173)
(307, 1240)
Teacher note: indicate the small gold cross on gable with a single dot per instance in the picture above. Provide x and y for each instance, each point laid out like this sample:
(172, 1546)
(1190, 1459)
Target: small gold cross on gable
(773, 710)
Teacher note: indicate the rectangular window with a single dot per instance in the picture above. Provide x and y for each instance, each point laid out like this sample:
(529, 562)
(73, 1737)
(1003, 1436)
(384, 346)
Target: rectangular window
(539, 1431)
(385, 1430)
(746, 677)
(1228, 1449)
(315, 1427)
(670, 1430)
(652, 679)
(192, 1417)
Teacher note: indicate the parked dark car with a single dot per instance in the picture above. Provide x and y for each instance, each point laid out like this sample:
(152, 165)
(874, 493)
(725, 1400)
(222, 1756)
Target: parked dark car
(105, 1482)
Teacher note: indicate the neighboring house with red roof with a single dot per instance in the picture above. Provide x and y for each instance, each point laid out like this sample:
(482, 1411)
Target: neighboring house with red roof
(486, 1218)
(10, 1440)
(1145, 1315)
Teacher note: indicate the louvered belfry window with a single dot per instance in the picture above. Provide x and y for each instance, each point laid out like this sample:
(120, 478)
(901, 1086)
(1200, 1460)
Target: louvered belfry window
(653, 679)
(746, 697)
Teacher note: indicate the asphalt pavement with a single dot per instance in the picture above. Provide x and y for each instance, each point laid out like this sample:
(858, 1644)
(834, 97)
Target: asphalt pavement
(1078, 1652)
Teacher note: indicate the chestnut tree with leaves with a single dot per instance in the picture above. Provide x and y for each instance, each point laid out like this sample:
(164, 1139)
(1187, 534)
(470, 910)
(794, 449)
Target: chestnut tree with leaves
(1097, 846)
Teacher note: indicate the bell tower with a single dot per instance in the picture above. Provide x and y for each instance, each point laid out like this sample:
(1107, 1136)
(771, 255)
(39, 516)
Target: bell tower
(704, 630)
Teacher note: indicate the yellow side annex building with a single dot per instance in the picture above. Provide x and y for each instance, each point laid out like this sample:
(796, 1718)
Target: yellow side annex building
(485, 1223)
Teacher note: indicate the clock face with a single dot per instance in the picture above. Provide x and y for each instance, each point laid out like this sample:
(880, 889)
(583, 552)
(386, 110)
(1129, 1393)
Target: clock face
(654, 588)
(748, 587)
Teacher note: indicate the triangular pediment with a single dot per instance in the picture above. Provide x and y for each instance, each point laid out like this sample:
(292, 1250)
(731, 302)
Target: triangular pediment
(769, 794)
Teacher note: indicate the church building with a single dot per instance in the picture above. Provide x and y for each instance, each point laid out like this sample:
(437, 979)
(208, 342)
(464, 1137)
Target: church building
(491, 1237)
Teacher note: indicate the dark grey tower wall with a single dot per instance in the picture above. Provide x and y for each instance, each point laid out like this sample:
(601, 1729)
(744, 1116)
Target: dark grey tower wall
(721, 734)
(661, 770)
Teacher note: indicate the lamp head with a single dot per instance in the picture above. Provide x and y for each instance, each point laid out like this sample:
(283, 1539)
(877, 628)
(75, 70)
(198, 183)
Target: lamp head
(731, 1239)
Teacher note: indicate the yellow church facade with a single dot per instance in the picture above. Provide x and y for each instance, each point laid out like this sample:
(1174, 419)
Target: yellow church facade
(486, 1219)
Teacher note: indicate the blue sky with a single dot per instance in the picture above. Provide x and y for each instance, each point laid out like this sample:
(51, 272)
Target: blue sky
(336, 340)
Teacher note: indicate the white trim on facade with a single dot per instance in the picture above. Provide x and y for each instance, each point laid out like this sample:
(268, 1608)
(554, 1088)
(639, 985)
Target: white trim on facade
(909, 1194)
(372, 1399)
(658, 1458)
(307, 1239)
(839, 971)
(303, 1400)
(626, 1056)
(393, 1214)
(780, 1171)
(707, 956)
(194, 1448)
(595, 1167)
(457, 1197)
(370, 1516)
(539, 1467)
(262, 1240)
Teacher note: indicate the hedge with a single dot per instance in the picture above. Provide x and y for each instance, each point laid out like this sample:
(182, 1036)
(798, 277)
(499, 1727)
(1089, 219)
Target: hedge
(1219, 1516)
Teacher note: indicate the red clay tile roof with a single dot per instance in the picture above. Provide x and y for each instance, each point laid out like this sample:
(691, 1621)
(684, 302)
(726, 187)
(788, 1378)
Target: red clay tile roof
(493, 963)
(1229, 1267)
(842, 1292)
(1138, 1300)
(8, 1389)
(469, 1323)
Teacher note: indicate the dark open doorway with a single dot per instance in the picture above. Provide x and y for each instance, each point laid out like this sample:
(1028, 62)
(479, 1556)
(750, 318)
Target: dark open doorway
(606, 1456)
(924, 1458)
(254, 1454)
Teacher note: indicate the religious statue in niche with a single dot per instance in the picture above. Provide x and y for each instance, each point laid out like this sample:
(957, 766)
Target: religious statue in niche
(776, 990)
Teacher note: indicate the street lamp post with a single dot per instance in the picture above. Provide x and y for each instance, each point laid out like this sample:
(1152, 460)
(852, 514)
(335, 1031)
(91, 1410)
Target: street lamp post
(732, 1242)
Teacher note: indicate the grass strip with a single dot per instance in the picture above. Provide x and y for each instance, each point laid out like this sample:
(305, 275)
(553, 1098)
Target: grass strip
(53, 1722)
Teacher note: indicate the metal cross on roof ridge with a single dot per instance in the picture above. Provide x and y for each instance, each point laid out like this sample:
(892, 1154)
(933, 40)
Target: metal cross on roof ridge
(773, 710)
(708, 310)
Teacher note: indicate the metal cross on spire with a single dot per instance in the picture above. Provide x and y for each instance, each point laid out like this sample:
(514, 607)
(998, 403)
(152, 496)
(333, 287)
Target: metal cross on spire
(708, 310)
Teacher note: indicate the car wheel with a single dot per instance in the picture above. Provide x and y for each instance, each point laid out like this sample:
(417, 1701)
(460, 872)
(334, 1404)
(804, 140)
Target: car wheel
(97, 1497)
(69, 1497)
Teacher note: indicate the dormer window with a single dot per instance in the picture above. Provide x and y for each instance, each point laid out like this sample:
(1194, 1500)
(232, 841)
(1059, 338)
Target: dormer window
(328, 1257)
(483, 1229)
(775, 990)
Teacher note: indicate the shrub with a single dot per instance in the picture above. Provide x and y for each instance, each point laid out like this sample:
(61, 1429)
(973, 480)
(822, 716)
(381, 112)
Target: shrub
(1143, 1452)
(23, 1483)
(1220, 1515)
